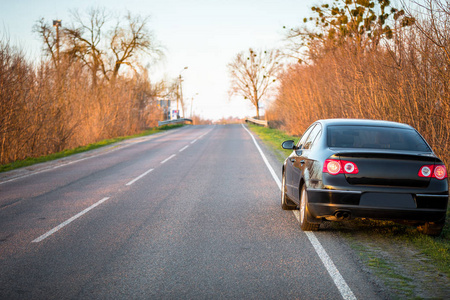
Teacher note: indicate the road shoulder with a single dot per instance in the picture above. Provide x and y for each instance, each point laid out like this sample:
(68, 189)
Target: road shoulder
(57, 163)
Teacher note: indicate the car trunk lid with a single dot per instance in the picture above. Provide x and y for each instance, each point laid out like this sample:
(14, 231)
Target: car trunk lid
(388, 168)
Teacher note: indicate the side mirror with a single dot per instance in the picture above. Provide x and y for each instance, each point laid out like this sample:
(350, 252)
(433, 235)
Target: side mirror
(289, 145)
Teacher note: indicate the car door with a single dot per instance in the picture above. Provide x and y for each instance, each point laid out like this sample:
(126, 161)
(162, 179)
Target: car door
(289, 172)
(300, 160)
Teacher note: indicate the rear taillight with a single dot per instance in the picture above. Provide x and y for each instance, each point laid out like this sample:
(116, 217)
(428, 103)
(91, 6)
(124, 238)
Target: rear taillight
(332, 166)
(337, 166)
(426, 171)
(438, 171)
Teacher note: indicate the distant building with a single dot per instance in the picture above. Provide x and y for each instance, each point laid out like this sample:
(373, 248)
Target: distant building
(169, 108)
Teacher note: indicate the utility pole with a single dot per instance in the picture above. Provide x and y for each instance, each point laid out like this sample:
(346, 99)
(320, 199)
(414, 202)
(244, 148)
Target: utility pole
(180, 94)
(192, 105)
(57, 24)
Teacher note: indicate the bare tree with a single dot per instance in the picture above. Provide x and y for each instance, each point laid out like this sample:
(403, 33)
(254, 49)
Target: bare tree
(48, 35)
(253, 74)
(105, 51)
(83, 40)
(128, 41)
(434, 23)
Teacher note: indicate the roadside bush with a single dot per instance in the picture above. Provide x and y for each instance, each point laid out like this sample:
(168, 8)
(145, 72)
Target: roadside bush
(404, 79)
(46, 109)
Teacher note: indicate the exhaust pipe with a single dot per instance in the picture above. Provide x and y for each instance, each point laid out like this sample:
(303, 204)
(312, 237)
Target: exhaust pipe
(342, 215)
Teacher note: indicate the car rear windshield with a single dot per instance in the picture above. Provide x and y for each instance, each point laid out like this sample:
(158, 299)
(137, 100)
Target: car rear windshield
(374, 137)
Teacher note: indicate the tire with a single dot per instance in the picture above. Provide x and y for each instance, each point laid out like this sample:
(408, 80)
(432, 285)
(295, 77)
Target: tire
(286, 203)
(431, 228)
(304, 213)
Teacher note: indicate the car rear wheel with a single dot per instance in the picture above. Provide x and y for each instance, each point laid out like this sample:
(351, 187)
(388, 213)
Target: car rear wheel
(304, 213)
(286, 203)
(431, 228)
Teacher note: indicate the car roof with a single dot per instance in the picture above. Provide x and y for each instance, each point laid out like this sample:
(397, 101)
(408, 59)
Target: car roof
(363, 122)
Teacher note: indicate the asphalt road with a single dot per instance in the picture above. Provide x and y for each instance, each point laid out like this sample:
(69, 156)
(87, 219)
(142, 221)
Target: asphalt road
(190, 214)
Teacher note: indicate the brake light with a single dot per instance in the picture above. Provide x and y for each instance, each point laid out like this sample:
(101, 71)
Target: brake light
(332, 167)
(438, 171)
(337, 166)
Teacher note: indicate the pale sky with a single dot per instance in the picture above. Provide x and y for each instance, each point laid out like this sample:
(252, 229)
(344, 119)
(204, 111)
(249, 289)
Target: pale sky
(203, 35)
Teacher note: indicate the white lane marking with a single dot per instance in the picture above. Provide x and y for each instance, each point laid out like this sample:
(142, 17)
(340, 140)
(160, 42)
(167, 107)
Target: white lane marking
(274, 175)
(206, 132)
(339, 281)
(139, 177)
(202, 135)
(49, 233)
(184, 148)
(170, 157)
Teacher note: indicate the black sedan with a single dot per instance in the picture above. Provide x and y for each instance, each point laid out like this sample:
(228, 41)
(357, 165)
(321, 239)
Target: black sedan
(345, 169)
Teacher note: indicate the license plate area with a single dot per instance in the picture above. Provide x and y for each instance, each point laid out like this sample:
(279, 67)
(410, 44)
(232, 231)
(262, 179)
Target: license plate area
(387, 200)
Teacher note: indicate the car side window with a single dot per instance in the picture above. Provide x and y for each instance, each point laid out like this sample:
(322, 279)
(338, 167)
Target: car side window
(319, 133)
(305, 136)
(312, 137)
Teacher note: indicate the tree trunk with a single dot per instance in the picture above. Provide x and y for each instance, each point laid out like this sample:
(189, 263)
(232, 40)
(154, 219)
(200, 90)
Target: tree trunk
(257, 110)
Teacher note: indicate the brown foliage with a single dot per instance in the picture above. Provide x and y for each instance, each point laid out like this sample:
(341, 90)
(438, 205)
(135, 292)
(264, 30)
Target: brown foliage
(406, 80)
(45, 109)
(77, 96)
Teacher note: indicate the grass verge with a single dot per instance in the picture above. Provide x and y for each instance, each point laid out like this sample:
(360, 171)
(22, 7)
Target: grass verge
(435, 250)
(274, 138)
(35, 160)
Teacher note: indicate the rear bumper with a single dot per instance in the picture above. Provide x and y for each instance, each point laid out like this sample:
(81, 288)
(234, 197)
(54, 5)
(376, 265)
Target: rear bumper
(416, 207)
